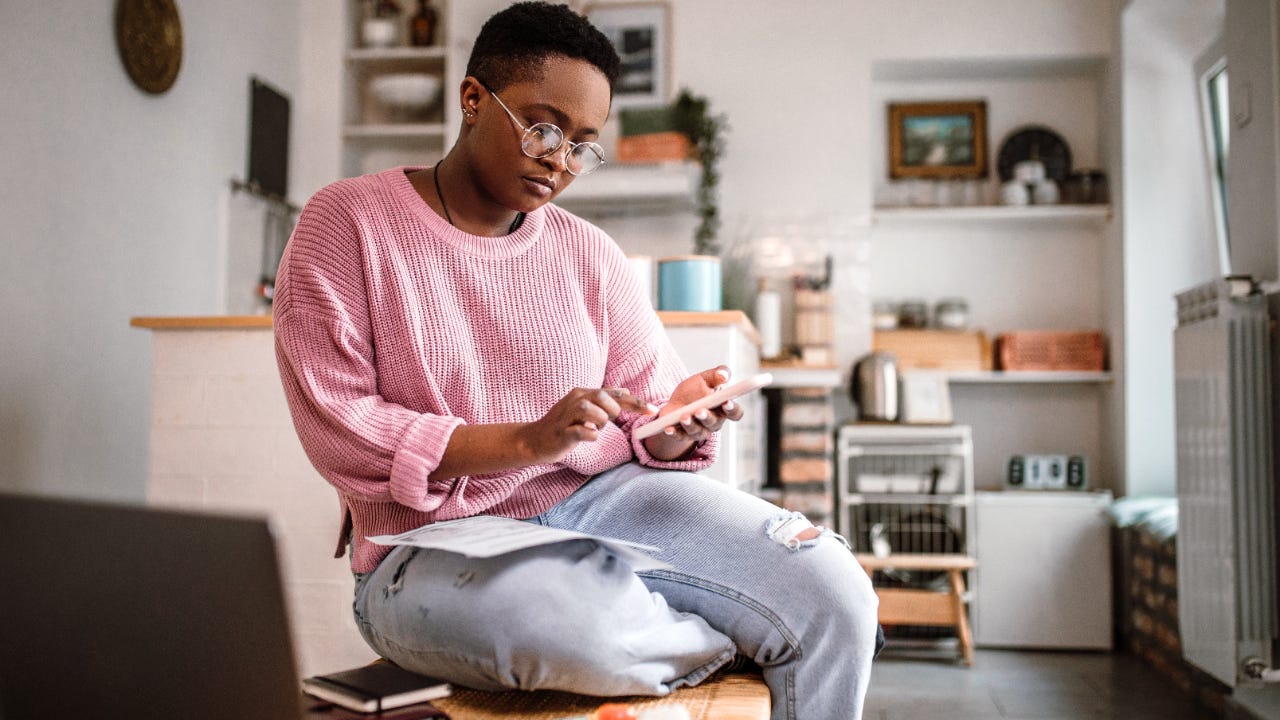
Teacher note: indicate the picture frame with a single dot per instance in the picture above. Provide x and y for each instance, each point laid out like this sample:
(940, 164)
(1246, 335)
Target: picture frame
(641, 33)
(938, 140)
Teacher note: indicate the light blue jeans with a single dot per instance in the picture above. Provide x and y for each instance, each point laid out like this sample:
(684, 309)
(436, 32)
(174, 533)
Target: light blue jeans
(574, 617)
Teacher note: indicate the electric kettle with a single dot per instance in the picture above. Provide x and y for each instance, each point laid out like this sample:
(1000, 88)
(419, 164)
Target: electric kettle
(874, 386)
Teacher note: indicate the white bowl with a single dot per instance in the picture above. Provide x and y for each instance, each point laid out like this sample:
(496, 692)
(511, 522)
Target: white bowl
(406, 92)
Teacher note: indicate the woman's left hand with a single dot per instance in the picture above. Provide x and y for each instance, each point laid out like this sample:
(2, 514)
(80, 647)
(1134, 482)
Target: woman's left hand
(693, 428)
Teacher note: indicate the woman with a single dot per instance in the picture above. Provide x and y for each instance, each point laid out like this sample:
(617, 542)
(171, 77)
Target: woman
(452, 345)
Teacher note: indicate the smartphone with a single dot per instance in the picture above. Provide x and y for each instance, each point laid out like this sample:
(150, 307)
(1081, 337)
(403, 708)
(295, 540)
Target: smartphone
(723, 394)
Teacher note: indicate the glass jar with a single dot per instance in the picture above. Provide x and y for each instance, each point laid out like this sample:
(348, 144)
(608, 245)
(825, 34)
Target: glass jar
(913, 314)
(951, 314)
(422, 26)
(884, 315)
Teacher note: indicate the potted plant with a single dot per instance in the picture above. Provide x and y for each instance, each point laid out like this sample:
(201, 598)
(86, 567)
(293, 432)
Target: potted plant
(693, 282)
(705, 131)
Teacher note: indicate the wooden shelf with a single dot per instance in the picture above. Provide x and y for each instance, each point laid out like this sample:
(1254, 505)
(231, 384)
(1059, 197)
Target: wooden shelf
(1001, 213)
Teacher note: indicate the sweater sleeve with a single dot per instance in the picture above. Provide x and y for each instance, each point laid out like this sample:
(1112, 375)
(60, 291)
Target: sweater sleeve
(643, 360)
(364, 445)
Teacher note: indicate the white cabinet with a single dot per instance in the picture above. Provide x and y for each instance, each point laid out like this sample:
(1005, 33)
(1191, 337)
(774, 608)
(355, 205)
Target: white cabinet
(1044, 570)
(375, 135)
(705, 340)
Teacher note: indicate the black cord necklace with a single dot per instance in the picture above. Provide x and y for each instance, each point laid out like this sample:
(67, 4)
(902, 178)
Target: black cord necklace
(435, 177)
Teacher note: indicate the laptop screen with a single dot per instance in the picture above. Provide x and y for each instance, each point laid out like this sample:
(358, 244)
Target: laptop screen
(122, 611)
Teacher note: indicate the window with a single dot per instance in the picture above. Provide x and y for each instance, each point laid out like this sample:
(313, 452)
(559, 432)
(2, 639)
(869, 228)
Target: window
(1215, 116)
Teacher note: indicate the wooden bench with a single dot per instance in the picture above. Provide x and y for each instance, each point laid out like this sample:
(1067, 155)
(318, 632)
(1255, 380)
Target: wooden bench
(904, 606)
(734, 695)
(728, 696)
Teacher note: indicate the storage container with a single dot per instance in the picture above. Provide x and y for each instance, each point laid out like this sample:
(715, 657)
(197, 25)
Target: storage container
(935, 349)
(1077, 350)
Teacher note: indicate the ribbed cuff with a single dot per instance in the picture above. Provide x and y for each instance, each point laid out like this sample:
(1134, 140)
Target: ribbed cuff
(701, 456)
(419, 454)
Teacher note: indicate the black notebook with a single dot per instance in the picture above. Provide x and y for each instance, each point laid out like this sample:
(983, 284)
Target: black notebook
(376, 687)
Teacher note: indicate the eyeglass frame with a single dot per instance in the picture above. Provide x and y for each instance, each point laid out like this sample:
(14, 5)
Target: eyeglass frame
(564, 139)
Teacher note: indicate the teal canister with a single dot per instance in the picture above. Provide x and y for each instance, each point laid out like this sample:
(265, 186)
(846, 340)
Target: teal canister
(689, 282)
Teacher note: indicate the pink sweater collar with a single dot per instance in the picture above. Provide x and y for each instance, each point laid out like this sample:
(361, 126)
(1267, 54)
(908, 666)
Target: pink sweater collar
(503, 246)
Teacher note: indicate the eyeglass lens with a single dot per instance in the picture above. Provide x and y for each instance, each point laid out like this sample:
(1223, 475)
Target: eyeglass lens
(542, 139)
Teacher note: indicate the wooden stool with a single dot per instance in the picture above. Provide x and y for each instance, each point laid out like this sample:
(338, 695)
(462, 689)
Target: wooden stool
(902, 606)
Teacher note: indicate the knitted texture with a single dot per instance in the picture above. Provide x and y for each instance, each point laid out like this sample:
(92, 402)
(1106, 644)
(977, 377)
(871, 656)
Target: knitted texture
(393, 328)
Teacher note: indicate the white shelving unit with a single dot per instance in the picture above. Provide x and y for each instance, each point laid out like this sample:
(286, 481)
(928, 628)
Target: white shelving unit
(634, 189)
(372, 137)
(1019, 267)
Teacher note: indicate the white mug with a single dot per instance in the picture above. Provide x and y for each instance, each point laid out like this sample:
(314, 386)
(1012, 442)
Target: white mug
(1015, 193)
(1045, 192)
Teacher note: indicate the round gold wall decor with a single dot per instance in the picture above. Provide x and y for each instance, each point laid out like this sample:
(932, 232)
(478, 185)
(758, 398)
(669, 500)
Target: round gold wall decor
(149, 38)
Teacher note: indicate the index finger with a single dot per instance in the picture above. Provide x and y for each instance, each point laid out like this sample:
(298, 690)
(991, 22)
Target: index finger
(627, 401)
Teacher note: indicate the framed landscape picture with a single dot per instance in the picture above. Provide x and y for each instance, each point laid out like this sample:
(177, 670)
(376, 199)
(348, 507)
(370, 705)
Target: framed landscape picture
(938, 139)
(640, 32)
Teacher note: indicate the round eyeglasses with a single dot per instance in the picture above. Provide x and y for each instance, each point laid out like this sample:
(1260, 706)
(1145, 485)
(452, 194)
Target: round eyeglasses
(543, 139)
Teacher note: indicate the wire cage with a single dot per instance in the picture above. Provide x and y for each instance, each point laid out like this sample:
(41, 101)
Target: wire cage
(923, 471)
(906, 490)
(882, 528)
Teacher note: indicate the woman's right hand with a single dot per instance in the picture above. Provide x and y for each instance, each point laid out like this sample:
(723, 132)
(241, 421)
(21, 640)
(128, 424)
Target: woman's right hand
(576, 418)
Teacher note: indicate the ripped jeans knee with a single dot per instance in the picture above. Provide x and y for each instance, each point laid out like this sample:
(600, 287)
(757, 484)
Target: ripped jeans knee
(793, 531)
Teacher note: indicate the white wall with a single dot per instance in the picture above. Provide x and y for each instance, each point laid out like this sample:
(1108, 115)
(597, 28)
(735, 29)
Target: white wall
(112, 206)
(120, 207)
(805, 138)
(1168, 218)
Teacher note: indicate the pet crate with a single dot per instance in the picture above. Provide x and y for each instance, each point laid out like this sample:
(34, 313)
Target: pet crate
(905, 489)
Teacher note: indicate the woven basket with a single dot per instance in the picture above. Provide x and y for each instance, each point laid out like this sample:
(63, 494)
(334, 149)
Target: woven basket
(1079, 350)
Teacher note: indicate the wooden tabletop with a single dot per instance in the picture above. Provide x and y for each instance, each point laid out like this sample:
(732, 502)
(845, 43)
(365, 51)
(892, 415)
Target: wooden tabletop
(214, 322)
(202, 322)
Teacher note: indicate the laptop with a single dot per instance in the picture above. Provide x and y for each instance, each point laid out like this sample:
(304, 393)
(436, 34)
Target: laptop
(115, 611)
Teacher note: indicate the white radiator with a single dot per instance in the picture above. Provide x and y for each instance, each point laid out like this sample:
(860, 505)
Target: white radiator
(1227, 577)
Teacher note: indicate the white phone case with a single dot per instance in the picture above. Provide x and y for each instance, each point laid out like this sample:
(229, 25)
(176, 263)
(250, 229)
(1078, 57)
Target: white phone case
(722, 395)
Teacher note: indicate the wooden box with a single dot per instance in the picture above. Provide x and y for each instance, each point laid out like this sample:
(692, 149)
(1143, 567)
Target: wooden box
(964, 350)
(1076, 350)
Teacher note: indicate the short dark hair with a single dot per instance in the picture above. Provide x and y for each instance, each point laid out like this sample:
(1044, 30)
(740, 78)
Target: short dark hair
(514, 42)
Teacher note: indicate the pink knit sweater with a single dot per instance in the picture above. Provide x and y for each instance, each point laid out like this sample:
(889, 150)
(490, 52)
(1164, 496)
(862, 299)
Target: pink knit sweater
(393, 328)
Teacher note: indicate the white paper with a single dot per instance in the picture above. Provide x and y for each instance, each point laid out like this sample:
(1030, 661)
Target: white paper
(488, 536)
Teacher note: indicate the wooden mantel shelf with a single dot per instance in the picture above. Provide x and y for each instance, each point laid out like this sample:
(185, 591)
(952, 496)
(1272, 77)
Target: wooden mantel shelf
(240, 322)
(203, 322)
